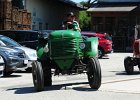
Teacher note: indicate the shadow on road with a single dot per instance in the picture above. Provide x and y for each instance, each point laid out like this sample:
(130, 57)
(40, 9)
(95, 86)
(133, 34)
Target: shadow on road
(23, 90)
(11, 76)
(103, 58)
(84, 89)
(124, 73)
(27, 90)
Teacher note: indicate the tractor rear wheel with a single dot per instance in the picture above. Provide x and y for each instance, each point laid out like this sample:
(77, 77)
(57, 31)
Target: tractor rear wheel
(38, 78)
(94, 73)
(129, 68)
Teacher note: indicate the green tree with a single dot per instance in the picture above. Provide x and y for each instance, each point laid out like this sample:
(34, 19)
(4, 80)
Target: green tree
(84, 18)
(84, 21)
(18, 3)
(88, 3)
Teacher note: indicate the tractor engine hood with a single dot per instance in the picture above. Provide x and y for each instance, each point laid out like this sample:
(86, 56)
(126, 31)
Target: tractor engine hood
(64, 34)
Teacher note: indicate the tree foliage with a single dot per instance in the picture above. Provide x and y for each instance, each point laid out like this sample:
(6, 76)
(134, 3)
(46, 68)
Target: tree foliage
(84, 18)
(84, 21)
(88, 3)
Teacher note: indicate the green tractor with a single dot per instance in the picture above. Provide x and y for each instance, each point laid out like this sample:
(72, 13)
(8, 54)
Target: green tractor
(67, 52)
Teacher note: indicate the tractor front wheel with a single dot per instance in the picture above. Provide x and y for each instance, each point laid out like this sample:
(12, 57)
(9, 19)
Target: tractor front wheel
(47, 73)
(38, 78)
(94, 73)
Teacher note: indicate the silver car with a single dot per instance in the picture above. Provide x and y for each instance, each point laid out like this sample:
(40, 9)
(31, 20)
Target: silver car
(14, 58)
(30, 53)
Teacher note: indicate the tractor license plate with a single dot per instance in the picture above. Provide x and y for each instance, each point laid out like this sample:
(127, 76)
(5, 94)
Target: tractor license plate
(25, 61)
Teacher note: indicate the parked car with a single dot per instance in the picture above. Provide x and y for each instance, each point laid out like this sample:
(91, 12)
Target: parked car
(27, 38)
(29, 53)
(105, 42)
(13, 59)
(1, 66)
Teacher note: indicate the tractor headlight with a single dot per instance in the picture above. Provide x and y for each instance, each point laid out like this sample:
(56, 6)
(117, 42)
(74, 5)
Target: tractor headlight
(46, 49)
(82, 45)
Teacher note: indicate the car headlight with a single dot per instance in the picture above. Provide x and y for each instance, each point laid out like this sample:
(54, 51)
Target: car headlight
(46, 49)
(82, 45)
(33, 55)
(10, 53)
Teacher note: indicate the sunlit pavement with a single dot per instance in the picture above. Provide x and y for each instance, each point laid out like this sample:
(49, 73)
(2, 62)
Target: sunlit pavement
(116, 84)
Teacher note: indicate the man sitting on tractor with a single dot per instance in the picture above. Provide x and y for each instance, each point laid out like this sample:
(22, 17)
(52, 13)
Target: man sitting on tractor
(70, 22)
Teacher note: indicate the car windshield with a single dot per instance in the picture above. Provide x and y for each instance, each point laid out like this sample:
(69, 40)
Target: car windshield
(5, 41)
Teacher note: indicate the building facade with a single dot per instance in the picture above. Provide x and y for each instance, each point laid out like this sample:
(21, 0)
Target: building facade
(117, 18)
(49, 14)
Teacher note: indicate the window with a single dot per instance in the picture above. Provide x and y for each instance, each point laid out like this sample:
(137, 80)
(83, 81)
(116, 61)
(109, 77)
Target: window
(40, 26)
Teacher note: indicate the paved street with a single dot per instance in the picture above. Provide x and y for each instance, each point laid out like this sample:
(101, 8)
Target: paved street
(116, 85)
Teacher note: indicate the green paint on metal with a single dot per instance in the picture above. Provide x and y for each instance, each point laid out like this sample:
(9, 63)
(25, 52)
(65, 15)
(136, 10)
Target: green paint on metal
(65, 43)
(64, 48)
(91, 49)
(64, 34)
(40, 51)
(64, 64)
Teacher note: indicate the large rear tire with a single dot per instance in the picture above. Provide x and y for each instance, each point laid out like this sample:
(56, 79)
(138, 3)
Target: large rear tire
(94, 73)
(129, 68)
(38, 78)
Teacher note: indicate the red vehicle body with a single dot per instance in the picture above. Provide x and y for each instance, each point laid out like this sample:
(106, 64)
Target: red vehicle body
(131, 62)
(105, 42)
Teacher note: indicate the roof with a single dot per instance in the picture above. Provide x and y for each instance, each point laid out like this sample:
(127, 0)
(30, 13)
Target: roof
(112, 9)
(119, 1)
(74, 4)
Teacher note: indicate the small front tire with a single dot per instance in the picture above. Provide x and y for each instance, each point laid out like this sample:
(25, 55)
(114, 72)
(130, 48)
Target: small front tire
(94, 73)
(38, 78)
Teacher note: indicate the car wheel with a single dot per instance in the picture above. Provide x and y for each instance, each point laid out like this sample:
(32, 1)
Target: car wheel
(2, 70)
(5, 72)
(129, 68)
(139, 66)
(100, 53)
(38, 78)
(94, 73)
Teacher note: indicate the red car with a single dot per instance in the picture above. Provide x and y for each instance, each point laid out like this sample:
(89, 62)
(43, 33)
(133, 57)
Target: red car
(105, 42)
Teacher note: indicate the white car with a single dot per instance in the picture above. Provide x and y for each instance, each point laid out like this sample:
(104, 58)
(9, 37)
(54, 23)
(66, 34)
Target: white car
(30, 53)
(1, 66)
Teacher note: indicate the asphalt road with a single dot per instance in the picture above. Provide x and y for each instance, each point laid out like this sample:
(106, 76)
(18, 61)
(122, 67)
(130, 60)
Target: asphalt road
(116, 85)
